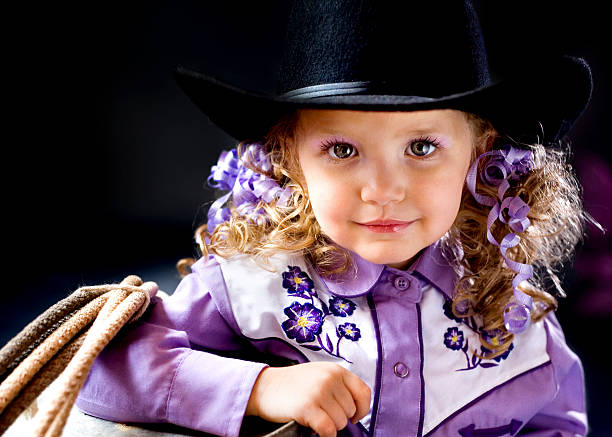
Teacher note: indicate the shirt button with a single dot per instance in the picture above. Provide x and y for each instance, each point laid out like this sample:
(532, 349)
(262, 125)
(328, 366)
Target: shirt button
(401, 283)
(401, 370)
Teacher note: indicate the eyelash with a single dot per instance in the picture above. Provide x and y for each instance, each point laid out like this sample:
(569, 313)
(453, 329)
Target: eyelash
(426, 139)
(328, 144)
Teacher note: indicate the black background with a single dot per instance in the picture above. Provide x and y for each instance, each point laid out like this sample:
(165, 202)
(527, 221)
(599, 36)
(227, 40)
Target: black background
(105, 160)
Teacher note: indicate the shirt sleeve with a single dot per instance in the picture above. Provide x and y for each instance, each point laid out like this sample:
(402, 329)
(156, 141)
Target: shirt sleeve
(170, 367)
(565, 415)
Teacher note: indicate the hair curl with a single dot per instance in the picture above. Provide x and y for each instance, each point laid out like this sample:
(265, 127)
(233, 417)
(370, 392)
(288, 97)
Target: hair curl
(291, 229)
(557, 220)
(485, 286)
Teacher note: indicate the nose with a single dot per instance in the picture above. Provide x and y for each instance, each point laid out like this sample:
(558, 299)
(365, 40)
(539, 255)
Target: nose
(383, 184)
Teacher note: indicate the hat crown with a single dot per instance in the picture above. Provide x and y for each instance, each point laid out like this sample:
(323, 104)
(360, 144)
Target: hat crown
(411, 48)
(409, 55)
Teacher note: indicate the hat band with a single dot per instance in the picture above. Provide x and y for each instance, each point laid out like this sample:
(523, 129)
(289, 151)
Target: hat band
(328, 89)
(374, 91)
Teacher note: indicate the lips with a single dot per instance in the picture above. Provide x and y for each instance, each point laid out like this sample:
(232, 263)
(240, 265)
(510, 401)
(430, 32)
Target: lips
(385, 223)
(386, 226)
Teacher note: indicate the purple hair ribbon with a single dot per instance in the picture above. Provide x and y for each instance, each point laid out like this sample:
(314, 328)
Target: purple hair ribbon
(246, 187)
(501, 167)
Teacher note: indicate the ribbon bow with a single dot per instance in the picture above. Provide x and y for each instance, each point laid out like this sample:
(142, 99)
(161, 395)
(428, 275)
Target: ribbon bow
(501, 167)
(245, 186)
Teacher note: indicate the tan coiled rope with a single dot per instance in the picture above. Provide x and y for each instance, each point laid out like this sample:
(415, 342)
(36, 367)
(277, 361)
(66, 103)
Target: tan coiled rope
(63, 343)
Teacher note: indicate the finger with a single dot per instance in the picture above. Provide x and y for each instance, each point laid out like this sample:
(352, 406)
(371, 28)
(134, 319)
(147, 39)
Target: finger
(345, 399)
(361, 394)
(335, 411)
(320, 422)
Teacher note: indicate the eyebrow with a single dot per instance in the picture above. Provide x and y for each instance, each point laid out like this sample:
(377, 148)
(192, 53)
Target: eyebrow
(419, 130)
(408, 131)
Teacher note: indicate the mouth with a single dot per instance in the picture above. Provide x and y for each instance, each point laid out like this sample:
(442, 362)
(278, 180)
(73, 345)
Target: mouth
(386, 226)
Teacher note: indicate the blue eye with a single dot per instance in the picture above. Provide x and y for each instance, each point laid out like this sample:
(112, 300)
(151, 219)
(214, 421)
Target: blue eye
(422, 147)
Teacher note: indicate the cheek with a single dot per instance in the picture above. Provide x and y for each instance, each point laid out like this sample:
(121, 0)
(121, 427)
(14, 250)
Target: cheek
(324, 194)
(332, 205)
(442, 197)
(329, 201)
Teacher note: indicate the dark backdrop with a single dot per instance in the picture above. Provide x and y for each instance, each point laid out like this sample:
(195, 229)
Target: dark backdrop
(105, 159)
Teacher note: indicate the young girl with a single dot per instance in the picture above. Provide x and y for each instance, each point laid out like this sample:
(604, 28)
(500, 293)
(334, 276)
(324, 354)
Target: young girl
(393, 222)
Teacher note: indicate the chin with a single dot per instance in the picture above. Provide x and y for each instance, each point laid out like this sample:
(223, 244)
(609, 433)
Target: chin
(384, 258)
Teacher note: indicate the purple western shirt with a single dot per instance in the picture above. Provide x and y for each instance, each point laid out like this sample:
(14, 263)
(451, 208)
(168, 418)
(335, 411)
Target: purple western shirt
(192, 358)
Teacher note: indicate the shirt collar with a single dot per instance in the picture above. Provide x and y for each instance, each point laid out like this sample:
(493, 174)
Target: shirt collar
(430, 267)
(435, 269)
(355, 282)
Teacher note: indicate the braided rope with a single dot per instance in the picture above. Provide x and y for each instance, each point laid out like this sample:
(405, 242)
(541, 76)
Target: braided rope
(113, 306)
(42, 379)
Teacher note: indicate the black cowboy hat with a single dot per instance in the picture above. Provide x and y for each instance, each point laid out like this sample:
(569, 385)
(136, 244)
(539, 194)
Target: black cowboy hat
(374, 55)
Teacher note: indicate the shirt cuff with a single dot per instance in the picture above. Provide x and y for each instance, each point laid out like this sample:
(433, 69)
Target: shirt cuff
(211, 393)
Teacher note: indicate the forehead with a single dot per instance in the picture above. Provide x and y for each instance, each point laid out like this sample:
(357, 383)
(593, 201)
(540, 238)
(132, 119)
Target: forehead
(317, 121)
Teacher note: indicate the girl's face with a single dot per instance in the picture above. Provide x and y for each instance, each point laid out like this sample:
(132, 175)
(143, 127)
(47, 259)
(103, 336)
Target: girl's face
(384, 184)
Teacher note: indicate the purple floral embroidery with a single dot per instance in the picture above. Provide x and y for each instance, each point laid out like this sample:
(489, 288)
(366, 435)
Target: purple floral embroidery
(453, 339)
(297, 282)
(341, 307)
(498, 358)
(304, 322)
(491, 337)
(469, 321)
(448, 310)
(505, 354)
(350, 331)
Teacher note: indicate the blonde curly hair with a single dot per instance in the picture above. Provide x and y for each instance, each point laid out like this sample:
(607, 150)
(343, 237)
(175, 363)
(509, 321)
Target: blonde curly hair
(557, 221)
(289, 229)
(485, 286)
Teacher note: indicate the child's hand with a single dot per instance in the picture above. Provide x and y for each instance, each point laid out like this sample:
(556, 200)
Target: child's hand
(322, 396)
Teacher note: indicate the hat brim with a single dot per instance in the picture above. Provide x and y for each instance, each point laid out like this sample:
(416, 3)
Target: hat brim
(552, 96)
